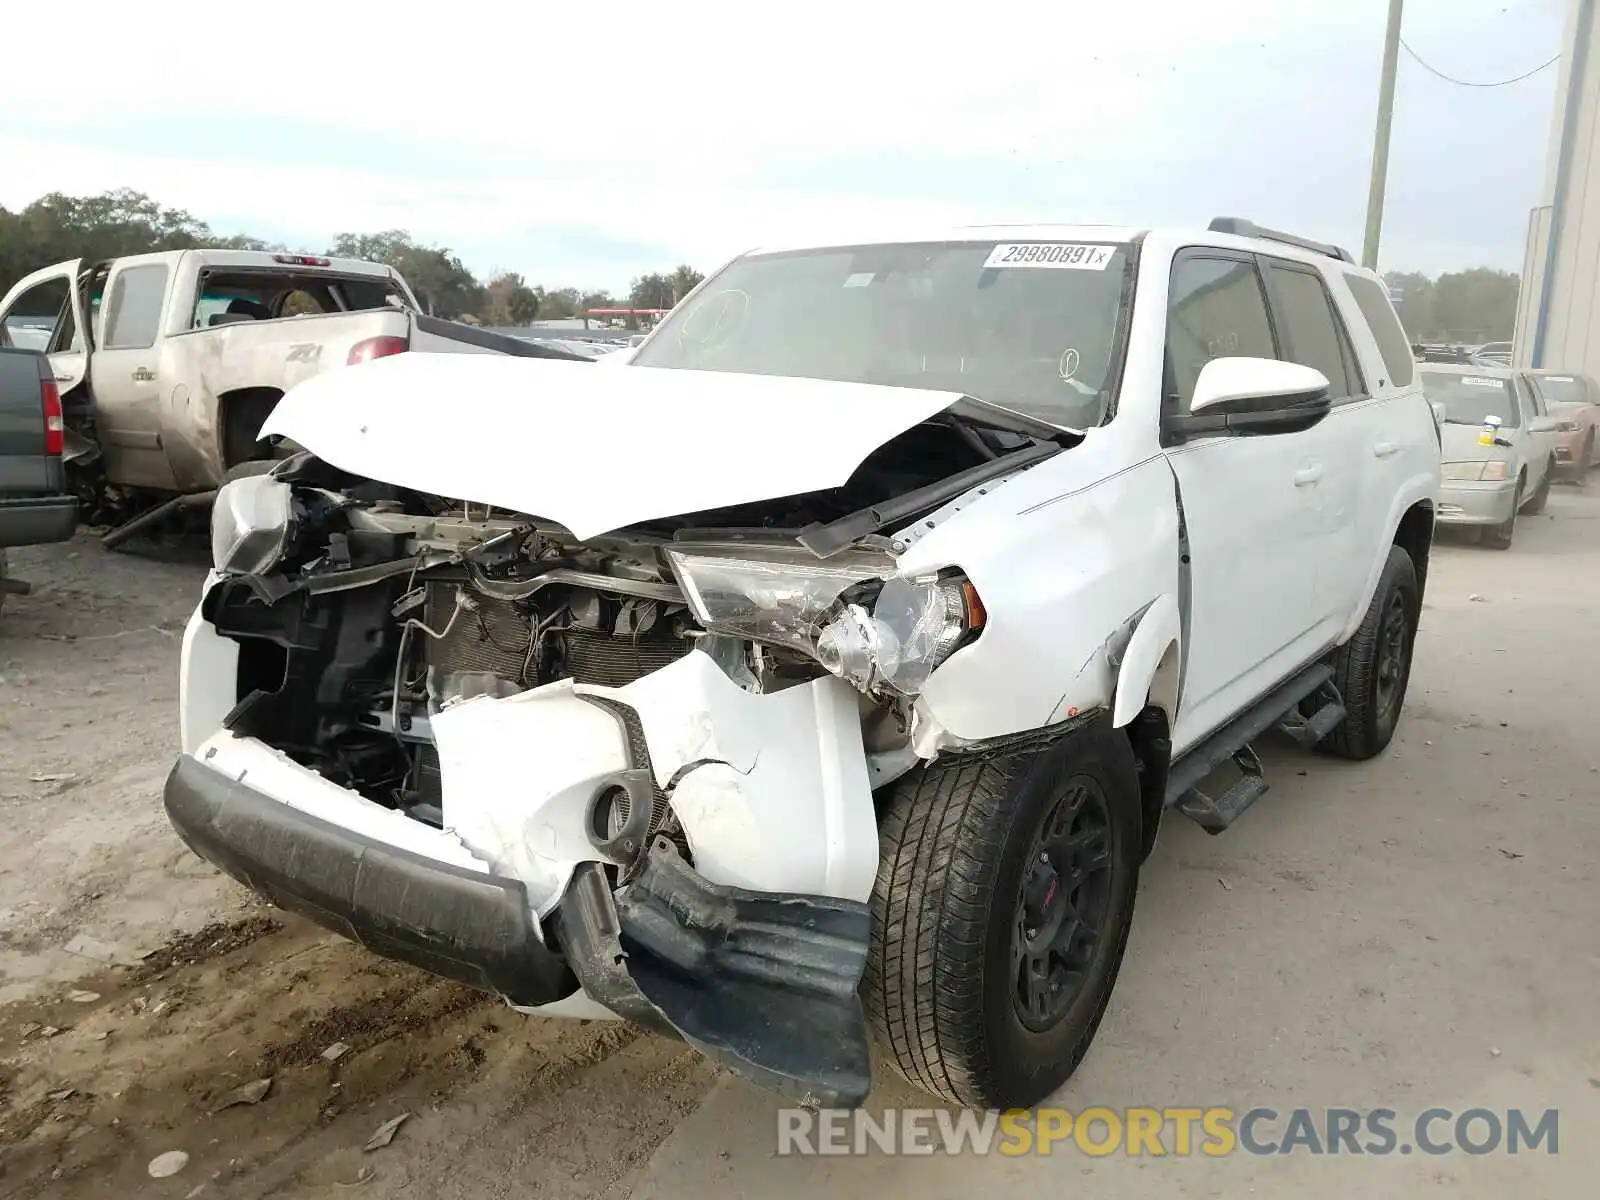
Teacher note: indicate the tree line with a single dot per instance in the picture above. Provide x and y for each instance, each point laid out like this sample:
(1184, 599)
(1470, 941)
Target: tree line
(1479, 305)
(58, 227)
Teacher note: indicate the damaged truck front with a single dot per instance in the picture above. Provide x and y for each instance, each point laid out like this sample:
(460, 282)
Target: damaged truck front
(821, 674)
(607, 759)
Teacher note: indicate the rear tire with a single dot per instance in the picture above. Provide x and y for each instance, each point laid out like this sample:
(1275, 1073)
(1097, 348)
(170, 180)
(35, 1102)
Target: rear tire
(1541, 496)
(1372, 669)
(1000, 915)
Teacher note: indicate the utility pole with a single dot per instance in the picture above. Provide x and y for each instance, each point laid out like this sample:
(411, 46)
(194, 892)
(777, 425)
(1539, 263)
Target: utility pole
(1380, 140)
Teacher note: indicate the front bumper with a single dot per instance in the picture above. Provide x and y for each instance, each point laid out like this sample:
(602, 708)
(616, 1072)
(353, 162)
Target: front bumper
(1475, 503)
(37, 520)
(764, 984)
(457, 923)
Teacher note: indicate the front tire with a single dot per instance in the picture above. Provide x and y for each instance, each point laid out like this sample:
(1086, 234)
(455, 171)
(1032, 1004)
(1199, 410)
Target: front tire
(1541, 495)
(1372, 669)
(1000, 915)
(1500, 537)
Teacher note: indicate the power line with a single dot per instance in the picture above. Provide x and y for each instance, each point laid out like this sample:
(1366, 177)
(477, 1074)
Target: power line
(1432, 70)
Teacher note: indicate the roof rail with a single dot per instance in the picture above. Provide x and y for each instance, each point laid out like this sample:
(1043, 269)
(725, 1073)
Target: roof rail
(1239, 227)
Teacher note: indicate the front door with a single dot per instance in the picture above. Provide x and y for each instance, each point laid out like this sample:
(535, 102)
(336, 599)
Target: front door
(44, 312)
(1255, 509)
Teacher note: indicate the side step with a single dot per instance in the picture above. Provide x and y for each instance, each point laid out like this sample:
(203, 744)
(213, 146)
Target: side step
(1232, 742)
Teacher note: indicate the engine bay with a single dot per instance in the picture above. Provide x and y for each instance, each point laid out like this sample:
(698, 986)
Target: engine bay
(386, 607)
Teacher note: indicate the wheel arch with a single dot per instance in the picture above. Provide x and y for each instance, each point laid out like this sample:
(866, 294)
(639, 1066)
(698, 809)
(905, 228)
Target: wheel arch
(1410, 526)
(241, 413)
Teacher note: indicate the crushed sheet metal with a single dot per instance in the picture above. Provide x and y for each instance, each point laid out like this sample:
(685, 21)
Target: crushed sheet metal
(771, 790)
(518, 776)
(396, 420)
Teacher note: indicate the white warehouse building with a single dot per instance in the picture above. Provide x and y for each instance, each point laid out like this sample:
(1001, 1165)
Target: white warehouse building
(1558, 309)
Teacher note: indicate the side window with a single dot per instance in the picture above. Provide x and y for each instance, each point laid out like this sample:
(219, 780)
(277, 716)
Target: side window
(1215, 309)
(133, 309)
(1380, 316)
(1312, 333)
(41, 317)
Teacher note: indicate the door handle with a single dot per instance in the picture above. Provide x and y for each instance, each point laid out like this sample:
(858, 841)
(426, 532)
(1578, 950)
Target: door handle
(144, 375)
(1308, 475)
(1385, 449)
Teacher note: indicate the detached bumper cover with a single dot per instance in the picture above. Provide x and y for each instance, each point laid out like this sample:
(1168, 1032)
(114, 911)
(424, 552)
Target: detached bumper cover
(476, 929)
(762, 983)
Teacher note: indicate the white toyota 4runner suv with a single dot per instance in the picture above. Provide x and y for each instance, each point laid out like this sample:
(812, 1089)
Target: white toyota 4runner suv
(824, 673)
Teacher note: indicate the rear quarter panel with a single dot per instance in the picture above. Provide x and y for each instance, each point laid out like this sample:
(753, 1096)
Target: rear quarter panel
(205, 365)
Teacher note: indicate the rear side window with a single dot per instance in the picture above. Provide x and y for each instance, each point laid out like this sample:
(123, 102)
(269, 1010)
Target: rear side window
(133, 311)
(1312, 333)
(1215, 309)
(1380, 316)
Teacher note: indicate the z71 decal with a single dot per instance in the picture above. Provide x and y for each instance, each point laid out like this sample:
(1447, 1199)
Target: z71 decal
(1065, 256)
(306, 352)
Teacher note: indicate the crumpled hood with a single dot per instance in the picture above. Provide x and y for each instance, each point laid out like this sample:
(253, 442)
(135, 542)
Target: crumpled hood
(592, 450)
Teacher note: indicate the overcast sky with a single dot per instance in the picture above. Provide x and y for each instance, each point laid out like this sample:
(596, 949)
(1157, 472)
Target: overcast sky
(530, 138)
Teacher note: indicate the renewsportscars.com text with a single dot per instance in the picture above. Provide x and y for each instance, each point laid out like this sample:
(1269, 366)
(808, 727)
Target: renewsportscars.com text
(1213, 1132)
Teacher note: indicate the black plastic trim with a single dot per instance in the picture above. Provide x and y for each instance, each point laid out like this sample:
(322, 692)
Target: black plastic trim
(460, 924)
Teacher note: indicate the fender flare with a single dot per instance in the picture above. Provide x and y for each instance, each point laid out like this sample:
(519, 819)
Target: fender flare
(1159, 629)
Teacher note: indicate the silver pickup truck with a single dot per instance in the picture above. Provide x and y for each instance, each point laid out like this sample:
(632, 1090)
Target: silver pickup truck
(168, 364)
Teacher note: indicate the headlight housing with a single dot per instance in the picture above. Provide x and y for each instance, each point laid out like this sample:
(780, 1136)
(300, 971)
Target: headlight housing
(851, 613)
(251, 522)
(1489, 470)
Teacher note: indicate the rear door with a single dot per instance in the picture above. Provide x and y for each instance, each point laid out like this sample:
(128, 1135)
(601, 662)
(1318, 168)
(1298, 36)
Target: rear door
(126, 370)
(1312, 332)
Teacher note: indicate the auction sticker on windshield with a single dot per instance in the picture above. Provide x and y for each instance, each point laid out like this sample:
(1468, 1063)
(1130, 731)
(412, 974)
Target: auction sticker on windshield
(1480, 381)
(1067, 256)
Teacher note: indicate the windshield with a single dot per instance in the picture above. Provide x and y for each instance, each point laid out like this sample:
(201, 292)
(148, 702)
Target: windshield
(1468, 399)
(1031, 327)
(1561, 389)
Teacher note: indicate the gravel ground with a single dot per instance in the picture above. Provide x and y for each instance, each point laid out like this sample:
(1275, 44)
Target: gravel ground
(1418, 930)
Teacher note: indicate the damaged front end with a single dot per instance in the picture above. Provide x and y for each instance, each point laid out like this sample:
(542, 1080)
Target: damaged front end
(630, 775)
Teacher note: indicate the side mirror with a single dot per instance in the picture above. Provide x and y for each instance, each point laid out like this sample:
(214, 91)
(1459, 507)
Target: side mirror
(1253, 396)
(1543, 425)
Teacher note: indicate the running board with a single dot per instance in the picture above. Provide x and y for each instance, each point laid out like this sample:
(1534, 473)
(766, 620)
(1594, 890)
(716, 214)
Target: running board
(1232, 742)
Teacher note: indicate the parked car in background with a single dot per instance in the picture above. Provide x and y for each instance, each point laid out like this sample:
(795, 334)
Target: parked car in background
(846, 690)
(169, 363)
(1574, 401)
(1497, 444)
(35, 506)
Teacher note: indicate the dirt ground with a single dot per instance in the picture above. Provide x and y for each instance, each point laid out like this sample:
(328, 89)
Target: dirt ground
(1417, 930)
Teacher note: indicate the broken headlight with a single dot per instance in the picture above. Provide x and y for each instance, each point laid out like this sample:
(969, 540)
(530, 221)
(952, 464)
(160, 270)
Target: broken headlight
(250, 524)
(851, 613)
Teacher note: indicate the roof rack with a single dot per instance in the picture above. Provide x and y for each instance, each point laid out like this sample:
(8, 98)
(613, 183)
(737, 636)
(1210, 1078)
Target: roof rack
(1239, 227)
